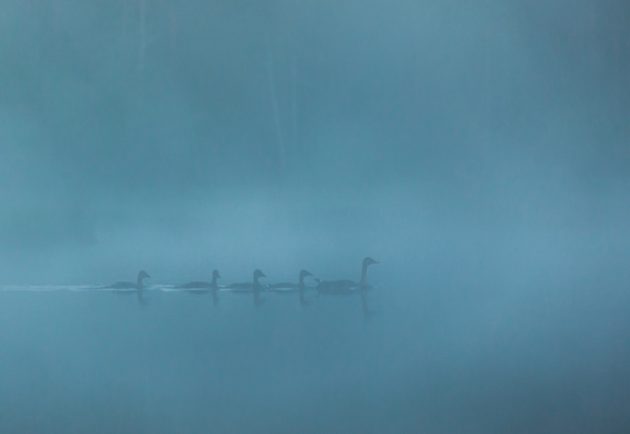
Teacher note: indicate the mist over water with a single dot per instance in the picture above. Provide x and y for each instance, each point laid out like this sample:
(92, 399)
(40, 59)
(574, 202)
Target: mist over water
(479, 152)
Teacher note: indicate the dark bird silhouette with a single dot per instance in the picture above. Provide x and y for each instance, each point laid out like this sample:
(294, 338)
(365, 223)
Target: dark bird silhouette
(200, 287)
(342, 287)
(131, 287)
(137, 285)
(254, 287)
(291, 287)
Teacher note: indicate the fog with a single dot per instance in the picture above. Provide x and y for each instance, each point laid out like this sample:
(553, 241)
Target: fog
(478, 151)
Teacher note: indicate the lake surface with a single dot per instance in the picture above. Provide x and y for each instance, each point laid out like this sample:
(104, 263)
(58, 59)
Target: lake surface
(441, 359)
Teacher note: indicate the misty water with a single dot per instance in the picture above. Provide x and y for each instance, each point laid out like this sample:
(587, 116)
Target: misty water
(479, 152)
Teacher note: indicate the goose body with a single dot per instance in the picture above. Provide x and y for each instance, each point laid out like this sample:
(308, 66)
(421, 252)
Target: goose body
(244, 287)
(255, 287)
(346, 287)
(290, 287)
(137, 285)
(201, 286)
(249, 287)
(338, 287)
(284, 286)
(196, 285)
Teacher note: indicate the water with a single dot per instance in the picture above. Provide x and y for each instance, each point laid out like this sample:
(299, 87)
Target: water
(552, 359)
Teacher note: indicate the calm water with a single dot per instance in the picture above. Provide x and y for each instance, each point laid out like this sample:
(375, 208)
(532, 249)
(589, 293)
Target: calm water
(552, 359)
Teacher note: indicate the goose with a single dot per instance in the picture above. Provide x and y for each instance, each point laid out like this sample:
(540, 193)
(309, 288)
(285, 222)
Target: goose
(203, 287)
(138, 285)
(290, 287)
(198, 286)
(253, 287)
(247, 287)
(340, 287)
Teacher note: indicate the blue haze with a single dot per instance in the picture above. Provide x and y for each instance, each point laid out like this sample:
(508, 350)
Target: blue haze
(479, 151)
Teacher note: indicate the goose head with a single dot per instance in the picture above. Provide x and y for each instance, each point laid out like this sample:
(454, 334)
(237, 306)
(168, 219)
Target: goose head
(143, 275)
(304, 274)
(369, 261)
(216, 275)
(258, 274)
